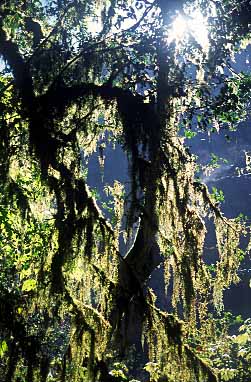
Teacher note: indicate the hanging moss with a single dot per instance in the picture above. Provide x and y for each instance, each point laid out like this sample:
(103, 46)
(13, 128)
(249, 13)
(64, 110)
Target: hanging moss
(72, 306)
(81, 273)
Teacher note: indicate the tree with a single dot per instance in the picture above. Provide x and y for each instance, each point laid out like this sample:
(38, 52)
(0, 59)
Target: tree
(72, 307)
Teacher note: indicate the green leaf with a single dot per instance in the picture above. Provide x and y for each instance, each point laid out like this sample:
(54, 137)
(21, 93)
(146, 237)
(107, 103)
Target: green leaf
(3, 348)
(218, 195)
(29, 285)
(242, 339)
(190, 134)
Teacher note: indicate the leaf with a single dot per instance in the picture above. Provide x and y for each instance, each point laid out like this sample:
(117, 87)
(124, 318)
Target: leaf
(3, 348)
(242, 339)
(190, 134)
(29, 285)
(199, 117)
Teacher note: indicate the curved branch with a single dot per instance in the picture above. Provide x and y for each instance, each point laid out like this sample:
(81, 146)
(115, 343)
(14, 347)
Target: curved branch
(39, 36)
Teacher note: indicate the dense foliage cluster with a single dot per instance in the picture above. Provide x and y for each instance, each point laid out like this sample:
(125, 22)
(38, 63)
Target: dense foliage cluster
(75, 75)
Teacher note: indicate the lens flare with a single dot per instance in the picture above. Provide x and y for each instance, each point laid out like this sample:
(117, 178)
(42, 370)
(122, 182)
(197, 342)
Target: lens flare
(185, 26)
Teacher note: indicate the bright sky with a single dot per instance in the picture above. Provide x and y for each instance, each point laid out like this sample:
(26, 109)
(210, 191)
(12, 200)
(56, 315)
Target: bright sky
(195, 25)
(2, 65)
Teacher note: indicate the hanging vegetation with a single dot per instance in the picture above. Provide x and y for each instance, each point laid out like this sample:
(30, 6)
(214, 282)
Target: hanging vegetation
(76, 74)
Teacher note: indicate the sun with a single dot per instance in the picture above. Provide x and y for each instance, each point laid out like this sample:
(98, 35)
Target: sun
(194, 25)
(190, 23)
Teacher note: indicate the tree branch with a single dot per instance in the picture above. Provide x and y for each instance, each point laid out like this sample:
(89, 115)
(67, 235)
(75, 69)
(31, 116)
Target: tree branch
(35, 28)
(3, 36)
(22, 77)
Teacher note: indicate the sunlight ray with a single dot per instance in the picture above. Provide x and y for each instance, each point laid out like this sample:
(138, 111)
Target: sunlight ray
(185, 26)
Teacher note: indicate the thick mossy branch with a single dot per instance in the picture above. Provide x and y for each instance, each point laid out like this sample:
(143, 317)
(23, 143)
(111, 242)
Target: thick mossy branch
(86, 257)
(88, 306)
(35, 28)
(10, 52)
(175, 360)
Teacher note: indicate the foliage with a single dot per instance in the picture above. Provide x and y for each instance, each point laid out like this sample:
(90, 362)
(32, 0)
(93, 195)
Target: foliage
(75, 75)
(229, 355)
(218, 195)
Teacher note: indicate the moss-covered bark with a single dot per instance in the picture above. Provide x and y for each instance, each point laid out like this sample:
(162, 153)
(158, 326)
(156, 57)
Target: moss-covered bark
(71, 306)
